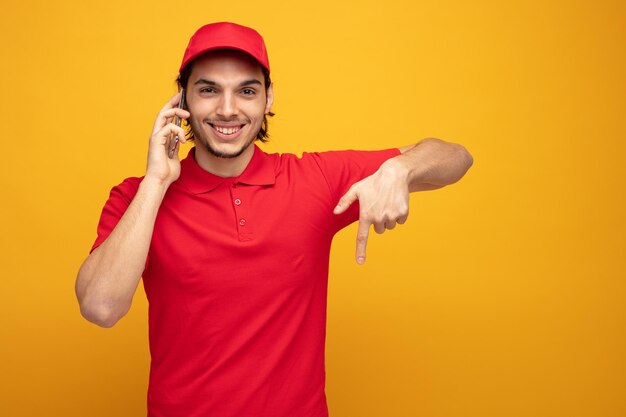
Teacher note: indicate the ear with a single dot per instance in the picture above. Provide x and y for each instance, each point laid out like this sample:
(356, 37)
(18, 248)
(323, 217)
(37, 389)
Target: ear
(270, 98)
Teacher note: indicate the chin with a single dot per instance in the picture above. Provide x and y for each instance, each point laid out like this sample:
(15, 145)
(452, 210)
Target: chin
(230, 151)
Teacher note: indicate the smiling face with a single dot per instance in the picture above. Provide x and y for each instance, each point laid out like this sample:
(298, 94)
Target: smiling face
(227, 99)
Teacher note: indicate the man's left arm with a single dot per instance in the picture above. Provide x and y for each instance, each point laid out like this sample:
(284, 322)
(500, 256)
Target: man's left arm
(384, 196)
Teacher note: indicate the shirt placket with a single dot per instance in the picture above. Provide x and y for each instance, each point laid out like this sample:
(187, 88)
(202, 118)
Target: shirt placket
(241, 204)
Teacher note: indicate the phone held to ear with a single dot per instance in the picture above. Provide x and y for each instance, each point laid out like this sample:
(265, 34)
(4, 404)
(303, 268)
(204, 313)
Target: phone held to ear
(177, 121)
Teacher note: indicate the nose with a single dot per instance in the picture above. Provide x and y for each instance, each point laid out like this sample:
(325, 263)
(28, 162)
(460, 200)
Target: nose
(227, 106)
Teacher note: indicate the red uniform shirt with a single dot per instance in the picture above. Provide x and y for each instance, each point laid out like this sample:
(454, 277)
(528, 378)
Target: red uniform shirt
(236, 280)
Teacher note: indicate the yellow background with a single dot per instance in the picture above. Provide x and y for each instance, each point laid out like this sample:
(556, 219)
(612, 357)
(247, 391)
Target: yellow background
(503, 295)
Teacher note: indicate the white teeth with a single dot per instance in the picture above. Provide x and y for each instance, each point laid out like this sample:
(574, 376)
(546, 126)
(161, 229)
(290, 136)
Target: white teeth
(227, 130)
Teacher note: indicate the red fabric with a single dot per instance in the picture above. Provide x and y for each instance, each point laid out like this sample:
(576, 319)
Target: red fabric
(237, 280)
(226, 35)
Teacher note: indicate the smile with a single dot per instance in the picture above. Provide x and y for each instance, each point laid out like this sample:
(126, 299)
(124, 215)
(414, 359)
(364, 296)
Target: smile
(227, 130)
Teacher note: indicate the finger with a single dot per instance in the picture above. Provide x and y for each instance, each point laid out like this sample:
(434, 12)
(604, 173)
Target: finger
(361, 241)
(176, 116)
(167, 116)
(379, 227)
(402, 219)
(172, 102)
(168, 131)
(389, 225)
(170, 113)
(162, 117)
(346, 200)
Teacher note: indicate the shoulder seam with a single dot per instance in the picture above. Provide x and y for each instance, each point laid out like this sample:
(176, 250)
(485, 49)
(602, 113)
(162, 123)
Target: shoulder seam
(330, 190)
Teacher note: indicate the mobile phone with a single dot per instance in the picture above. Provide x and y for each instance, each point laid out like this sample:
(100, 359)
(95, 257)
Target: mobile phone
(178, 122)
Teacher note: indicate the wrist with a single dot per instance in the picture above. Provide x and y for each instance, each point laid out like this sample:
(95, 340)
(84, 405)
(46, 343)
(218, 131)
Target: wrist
(395, 168)
(154, 184)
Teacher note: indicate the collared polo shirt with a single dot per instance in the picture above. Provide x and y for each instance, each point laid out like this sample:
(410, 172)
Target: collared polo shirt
(236, 280)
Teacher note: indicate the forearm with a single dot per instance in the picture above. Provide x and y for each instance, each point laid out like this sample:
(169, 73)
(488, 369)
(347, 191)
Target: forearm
(108, 278)
(432, 163)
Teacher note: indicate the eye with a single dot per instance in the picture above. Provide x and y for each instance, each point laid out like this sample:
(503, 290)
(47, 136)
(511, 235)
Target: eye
(207, 90)
(248, 91)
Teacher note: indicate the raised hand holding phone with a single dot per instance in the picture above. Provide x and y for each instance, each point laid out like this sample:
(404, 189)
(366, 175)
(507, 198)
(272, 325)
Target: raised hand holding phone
(163, 164)
(177, 121)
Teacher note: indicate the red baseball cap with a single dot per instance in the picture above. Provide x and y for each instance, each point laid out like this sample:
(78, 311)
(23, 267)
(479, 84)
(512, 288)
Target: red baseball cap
(226, 35)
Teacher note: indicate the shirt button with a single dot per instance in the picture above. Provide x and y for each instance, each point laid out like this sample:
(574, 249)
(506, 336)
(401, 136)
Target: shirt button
(237, 202)
(242, 222)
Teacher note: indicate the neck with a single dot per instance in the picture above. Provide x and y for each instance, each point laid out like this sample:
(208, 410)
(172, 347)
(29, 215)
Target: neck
(223, 167)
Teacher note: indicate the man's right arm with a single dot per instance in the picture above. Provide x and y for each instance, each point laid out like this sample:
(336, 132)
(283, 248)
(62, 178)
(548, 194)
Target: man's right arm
(108, 278)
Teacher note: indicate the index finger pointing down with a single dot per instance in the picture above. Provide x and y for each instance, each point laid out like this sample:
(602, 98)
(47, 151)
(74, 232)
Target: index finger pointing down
(361, 241)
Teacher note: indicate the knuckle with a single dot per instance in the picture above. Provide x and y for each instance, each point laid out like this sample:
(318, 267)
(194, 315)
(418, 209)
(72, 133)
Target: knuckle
(400, 210)
(365, 216)
(376, 219)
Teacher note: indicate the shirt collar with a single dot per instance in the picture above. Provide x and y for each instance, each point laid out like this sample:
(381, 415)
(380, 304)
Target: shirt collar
(259, 171)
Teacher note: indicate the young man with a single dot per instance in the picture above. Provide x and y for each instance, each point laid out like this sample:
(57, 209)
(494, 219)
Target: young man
(233, 243)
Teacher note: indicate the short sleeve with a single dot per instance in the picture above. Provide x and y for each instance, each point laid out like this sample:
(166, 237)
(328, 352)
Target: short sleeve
(341, 169)
(119, 199)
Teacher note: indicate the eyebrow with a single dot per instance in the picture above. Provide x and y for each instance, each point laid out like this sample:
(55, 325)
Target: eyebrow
(252, 81)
